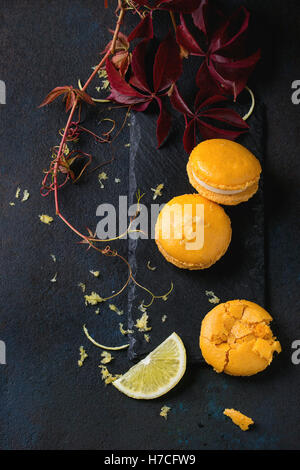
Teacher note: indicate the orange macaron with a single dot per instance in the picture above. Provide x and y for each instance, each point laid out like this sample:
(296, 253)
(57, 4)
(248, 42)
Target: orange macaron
(192, 232)
(236, 338)
(224, 171)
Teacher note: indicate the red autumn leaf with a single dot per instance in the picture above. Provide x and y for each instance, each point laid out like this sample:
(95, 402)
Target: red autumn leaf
(122, 42)
(55, 93)
(144, 29)
(204, 117)
(70, 95)
(163, 123)
(121, 91)
(225, 59)
(186, 40)
(121, 57)
(137, 93)
(167, 64)
(207, 17)
(138, 78)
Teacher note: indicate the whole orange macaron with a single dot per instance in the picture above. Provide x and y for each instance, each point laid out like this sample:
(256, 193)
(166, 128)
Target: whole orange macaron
(192, 232)
(224, 171)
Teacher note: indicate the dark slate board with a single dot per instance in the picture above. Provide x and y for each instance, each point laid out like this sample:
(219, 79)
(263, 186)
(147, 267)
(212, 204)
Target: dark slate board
(239, 274)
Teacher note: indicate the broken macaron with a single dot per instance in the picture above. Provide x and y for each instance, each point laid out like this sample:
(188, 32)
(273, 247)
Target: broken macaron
(236, 338)
(224, 171)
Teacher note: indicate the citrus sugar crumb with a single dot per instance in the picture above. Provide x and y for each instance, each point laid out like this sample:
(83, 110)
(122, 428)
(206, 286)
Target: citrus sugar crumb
(163, 318)
(18, 193)
(46, 219)
(53, 258)
(164, 411)
(83, 356)
(12, 204)
(142, 323)
(93, 299)
(147, 338)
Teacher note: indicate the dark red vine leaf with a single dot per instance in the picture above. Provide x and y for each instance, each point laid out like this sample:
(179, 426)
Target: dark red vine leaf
(207, 17)
(167, 64)
(225, 58)
(163, 123)
(121, 91)
(70, 95)
(186, 40)
(137, 93)
(203, 119)
(143, 30)
(138, 77)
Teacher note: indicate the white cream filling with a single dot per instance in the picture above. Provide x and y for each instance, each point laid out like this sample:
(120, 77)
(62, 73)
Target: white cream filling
(216, 190)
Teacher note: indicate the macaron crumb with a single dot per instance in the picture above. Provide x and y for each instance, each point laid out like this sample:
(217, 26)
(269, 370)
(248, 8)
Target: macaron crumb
(238, 418)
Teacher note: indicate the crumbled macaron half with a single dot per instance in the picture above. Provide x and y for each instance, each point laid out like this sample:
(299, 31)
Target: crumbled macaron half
(236, 338)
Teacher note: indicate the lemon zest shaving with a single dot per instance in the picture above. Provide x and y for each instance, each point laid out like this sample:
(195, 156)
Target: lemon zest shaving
(110, 348)
(46, 219)
(83, 356)
(107, 357)
(163, 318)
(164, 411)
(93, 299)
(157, 191)
(102, 177)
(54, 279)
(152, 268)
(53, 258)
(25, 195)
(142, 323)
(82, 286)
(124, 332)
(114, 308)
(95, 273)
(107, 376)
(213, 299)
(147, 338)
(12, 204)
(18, 193)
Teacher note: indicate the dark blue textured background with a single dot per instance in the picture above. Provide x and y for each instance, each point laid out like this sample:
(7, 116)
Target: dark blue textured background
(46, 400)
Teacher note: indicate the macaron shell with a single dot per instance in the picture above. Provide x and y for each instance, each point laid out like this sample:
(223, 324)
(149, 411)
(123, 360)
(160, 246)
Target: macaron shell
(226, 199)
(236, 338)
(225, 164)
(217, 236)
